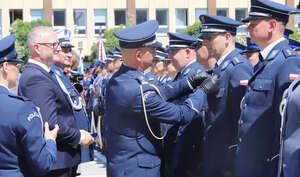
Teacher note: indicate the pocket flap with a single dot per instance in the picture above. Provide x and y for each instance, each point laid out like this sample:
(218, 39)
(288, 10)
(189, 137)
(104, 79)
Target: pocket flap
(148, 161)
(262, 84)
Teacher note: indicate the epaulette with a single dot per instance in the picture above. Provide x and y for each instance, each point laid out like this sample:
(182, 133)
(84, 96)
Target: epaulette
(19, 97)
(141, 79)
(186, 71)
(236, 61)
(288, 52)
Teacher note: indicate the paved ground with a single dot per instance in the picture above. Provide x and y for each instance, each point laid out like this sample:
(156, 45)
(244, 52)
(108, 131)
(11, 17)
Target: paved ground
(96, 168)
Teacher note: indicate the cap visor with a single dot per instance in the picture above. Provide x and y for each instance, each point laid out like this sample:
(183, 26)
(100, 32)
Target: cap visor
(18, 60)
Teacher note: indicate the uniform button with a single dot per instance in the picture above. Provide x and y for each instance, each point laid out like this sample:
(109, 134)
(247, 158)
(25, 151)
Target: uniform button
(241, 122)
(193, 146)
(240, 140)
(268, 160)
(260, 87)
(249, 89)
(204, 138)
(245, 105)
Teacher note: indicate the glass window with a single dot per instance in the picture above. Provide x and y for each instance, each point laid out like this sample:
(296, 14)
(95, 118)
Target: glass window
(59, 18)
(36, 14)
(297, 21)
(79, 21)
(181, 19)
(141, 15)
(15, 14)
(162, 18)
(0, 22)
(199, 12)
(240, 14)
(222, 12)
(99, 20)
(120, 17)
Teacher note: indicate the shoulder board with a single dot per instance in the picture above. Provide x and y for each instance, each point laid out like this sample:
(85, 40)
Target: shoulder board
(288, 52)
(236, 60)
(19, 97)
(186, 71)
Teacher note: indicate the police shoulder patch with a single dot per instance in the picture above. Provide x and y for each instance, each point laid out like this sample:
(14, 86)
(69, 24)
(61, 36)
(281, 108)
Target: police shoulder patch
(288, 52)
(236, 60)
(19, 97)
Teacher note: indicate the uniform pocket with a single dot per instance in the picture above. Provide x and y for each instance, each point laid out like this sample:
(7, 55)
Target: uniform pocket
(221, 92)
(262, 85)
(148, 161)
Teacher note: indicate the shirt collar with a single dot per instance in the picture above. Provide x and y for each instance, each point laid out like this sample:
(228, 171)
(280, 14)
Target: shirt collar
(220, 61)
(4, 86)
(188, 64)
(45, 67)
(268, 49)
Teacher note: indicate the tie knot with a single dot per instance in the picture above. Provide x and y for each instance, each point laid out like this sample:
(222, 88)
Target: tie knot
(261, 58)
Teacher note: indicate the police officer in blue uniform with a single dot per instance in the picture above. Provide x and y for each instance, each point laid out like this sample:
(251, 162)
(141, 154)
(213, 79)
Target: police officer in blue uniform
(289, 137)
(259, 124)
(182, 150)
(223, 111)
(64, 61)
(23, 149)
(135, 108)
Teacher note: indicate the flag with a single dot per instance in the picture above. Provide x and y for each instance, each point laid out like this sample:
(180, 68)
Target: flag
(80, 65)
(101, 52)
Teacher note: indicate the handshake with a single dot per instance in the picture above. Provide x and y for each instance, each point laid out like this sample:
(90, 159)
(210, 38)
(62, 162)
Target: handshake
(206, 80)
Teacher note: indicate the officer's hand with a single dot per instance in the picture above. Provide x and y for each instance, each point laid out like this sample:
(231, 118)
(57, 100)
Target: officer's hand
(199, 77)
(211, 85)
(50, 134)
(88, 139)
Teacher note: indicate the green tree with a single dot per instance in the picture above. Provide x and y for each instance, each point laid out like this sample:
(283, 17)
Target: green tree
(21, 30)
(111, 42)
(192, 30)
(295, 35)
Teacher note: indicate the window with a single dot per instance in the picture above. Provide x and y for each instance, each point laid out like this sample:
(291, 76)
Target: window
(36, 14)
(162, 18)
(141, 15)
(79, 22)
(222, 12)
(59, 18)
(297, 21)
(120, 17)
(181, 19)
(0, 22)
(240, 14)
(199, 12)
(99, 20)
(15, 14)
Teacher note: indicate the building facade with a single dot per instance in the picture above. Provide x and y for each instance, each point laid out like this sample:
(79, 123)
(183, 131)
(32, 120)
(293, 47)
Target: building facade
(85, 17)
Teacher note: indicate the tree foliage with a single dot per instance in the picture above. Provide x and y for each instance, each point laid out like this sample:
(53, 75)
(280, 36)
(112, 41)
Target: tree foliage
(192, 30)
(295, 35)
(21, 30)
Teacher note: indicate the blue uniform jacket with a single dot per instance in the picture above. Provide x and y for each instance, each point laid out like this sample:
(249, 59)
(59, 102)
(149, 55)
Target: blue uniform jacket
(23, 150)
(258, 135)
(131, 149)
(183, 150)
(290, 147)
(78, 110)
(44, 91)
(221, 118)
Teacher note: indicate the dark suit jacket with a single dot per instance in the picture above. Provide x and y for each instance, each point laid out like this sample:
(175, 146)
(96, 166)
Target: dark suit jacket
(42, 88)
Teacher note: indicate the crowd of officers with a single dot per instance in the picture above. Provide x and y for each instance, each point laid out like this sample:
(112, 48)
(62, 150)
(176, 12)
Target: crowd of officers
(199, 107)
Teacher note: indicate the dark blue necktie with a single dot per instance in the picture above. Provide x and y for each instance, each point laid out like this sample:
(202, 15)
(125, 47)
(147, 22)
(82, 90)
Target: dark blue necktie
(260, 62)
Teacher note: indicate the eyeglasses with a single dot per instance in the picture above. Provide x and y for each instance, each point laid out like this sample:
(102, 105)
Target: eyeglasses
(52, 45)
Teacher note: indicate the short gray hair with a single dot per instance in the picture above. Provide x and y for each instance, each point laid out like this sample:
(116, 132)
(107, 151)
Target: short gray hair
(35, 34)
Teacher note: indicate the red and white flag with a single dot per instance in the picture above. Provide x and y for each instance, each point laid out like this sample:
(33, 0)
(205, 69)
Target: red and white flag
(101, 52)
(243, 82)
(293, 77)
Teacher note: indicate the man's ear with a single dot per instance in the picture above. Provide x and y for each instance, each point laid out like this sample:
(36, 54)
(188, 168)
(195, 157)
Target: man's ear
(188, 52)
(36, 48)
(138, 55)
(4, 68)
